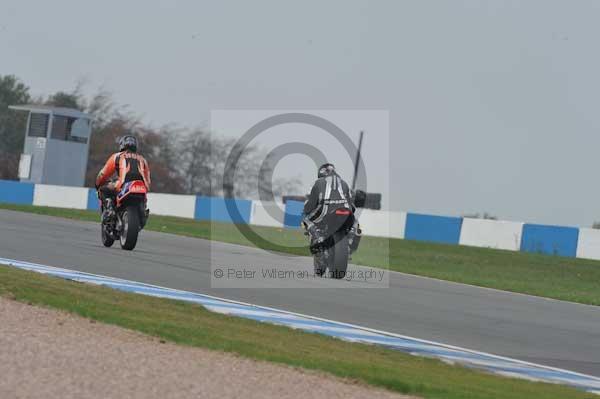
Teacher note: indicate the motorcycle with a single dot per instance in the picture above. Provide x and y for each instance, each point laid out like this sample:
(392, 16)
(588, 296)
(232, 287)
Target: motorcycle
(129, 216)
(332, 243)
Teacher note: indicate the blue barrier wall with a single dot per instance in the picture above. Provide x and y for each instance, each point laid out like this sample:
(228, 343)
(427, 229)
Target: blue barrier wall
(92, 203)
(213, 208)
(440, 229)
(14, 192)
(293, 214)
(551, 240)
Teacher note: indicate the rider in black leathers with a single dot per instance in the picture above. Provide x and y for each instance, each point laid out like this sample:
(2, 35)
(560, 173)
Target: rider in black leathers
(329, 194)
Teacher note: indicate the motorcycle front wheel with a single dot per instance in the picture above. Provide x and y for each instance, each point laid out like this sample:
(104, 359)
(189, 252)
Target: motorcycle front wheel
(107, 240)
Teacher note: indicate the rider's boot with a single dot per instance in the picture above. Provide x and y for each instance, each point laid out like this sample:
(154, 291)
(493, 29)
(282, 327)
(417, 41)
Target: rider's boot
(320, 263)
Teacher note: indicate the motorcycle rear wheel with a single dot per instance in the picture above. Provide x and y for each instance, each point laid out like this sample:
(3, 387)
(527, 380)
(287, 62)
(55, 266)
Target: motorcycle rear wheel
(339, 263)
(131, 228)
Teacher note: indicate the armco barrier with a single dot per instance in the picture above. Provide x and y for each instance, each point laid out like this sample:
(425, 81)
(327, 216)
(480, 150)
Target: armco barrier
(13, 192)
(491, 234)
(441, 229)
(215, 209)
(381, 223)
(588, 244)
(183, 206)
(550, 240)
(92, 203)
(293, 214)
(553, 240)
(60, 196)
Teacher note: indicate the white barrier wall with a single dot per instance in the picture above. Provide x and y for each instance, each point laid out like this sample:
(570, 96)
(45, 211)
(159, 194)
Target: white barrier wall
(491, 234)
(473, 232)
(262, 211)
(60, 196)
(183, 206)
(588, 246)
(382, 223)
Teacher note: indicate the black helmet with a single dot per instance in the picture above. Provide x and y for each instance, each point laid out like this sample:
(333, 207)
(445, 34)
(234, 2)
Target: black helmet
(128, 143)
(327, 169)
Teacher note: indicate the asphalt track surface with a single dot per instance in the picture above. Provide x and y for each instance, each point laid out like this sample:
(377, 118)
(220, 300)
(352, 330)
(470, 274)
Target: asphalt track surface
(548, 332)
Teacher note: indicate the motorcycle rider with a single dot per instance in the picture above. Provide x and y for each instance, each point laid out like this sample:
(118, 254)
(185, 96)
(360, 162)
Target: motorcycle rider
(329, 194)
(128, 166)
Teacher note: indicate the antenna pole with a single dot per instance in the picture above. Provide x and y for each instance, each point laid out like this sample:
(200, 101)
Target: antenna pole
(357, 161)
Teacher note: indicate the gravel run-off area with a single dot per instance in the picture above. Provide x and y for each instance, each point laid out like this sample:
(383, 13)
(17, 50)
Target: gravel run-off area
(46, 353)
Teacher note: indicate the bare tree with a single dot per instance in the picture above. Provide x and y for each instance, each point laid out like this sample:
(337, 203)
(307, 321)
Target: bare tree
(190, 161)
(196, 162)
(204, 161)
(12, 124)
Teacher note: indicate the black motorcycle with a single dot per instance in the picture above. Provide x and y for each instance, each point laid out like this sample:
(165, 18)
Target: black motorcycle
(332, 242)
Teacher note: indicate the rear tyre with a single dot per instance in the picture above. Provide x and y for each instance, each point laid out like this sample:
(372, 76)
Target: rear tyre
(340, 256)
(131, 228)
(107, 240)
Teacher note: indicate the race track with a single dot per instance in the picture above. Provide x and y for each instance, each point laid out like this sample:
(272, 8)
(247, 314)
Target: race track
(548, 332)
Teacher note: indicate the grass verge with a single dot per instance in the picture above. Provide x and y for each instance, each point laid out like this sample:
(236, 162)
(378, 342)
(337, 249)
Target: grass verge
(569, 279)
(192, 325)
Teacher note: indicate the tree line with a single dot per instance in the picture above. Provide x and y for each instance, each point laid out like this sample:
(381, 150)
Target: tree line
(183, 160)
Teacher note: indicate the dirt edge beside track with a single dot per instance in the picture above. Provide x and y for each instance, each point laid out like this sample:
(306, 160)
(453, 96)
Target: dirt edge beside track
(53, 354)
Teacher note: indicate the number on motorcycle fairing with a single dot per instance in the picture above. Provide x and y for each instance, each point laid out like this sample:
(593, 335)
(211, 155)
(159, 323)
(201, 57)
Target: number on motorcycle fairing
(138, 189)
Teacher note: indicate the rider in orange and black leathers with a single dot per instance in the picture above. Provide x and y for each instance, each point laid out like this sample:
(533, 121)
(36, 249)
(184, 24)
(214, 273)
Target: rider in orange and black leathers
(128, 165)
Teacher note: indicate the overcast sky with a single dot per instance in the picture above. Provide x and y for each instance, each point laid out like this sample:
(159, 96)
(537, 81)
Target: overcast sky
(493, 105)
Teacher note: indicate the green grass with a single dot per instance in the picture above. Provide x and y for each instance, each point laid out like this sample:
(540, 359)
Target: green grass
(569, 279)
(192, 325)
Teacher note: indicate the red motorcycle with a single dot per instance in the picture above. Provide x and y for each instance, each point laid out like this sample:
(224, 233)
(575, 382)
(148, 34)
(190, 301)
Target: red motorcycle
(129, 218)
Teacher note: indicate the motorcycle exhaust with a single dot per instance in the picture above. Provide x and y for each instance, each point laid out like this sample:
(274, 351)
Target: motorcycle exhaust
(356, 234)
